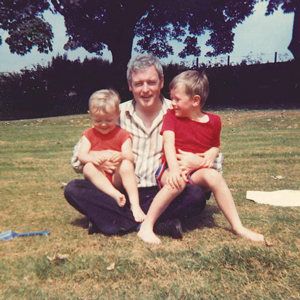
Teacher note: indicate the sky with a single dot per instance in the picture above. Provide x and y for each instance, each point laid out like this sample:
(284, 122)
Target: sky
(257, 38)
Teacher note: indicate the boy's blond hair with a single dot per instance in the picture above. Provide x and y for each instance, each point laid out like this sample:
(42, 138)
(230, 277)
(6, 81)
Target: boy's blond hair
(194, 83)
(102, 100)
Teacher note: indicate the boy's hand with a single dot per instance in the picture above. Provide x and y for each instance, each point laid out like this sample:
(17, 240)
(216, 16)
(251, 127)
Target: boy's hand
(138, 214)
(115, 157)
(174, 178)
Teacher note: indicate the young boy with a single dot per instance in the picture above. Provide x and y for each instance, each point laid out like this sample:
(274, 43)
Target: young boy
(187, 128)
(106, 141)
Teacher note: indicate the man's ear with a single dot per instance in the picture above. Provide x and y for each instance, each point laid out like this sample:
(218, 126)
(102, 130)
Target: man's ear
(88, 112)
(129, 86)
(162, 81)
(196, 100)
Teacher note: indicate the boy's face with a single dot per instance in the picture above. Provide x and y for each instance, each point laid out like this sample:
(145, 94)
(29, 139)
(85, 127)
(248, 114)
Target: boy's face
(182, 104)
(105, 122)
(145, 87)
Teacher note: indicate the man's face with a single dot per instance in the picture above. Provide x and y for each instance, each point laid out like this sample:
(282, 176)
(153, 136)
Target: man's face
(146, 86)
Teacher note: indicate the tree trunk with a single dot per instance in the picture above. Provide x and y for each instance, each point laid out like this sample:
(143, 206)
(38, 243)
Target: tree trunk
(121, 54)
(294, 47)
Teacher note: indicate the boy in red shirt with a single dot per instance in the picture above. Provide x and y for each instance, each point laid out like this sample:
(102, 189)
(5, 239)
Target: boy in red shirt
(187, 128)
(106, 141)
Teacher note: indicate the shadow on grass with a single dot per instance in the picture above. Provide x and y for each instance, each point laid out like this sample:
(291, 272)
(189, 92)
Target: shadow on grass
(201, 221)
(204, 220)
(81, 222)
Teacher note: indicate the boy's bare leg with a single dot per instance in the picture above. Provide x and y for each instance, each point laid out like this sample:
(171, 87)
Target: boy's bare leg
(213, 180)
(99, 179)
(125, 176)
(161, 201)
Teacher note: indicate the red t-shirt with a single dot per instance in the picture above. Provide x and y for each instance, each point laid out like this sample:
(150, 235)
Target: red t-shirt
(111, 141)
(192, 136)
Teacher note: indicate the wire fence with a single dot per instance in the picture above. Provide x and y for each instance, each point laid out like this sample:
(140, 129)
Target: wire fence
(250, 59)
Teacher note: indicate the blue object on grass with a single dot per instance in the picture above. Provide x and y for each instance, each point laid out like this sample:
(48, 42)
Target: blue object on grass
(9, 234)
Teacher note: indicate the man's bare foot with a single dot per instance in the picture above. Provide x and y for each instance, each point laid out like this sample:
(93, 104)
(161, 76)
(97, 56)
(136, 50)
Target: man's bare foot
(148, 236)
(120, 198)
(138, 214)
(250, 235)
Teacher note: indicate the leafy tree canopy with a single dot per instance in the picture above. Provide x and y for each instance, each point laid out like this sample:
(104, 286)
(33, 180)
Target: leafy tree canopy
(96, 24)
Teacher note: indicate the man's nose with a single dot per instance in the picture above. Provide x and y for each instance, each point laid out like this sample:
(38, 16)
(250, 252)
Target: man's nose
(145, 87)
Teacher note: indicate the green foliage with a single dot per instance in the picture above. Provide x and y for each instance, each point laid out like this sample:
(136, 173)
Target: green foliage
(25, 24)
(62, 87)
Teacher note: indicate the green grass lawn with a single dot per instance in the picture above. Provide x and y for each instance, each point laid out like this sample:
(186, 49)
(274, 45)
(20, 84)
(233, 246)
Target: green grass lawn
(209, 263)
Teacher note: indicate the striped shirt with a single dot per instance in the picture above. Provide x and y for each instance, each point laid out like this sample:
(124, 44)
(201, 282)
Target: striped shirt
(147, 144)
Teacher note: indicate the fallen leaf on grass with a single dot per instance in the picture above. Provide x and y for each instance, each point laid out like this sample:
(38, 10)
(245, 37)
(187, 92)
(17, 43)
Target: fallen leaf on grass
(277, 177)
(58, 258)
(268, 243)
(111, 267)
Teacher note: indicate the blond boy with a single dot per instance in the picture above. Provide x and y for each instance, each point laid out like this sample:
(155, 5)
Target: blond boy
(107, 142)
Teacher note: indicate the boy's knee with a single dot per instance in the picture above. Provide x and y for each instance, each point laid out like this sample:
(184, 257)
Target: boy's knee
(126, 166)
(89, 169)
(174, 191)
(213, 177)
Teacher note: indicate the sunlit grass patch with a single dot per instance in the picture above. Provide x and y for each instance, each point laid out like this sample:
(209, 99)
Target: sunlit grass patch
(209, 263)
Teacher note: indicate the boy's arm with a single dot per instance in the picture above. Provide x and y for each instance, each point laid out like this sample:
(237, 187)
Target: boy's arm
(85, 155)
(127, 152)
(84, 149)
(175, 172)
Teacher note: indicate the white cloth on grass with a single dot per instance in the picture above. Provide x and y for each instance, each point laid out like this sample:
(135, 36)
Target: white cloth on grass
(277, 198)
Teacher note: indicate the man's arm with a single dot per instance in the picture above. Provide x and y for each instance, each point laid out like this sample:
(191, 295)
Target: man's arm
(189, 161)
(209, 157)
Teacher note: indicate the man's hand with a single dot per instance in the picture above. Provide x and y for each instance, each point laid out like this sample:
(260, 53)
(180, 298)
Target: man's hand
(189, 161)
(208, 160)
(97, 158)
(106, 160)
(116, 156)
(209, 157)
(109, 167)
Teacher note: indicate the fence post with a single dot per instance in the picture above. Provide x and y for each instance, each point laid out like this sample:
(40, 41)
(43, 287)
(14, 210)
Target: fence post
(228, 60)
(275, 58)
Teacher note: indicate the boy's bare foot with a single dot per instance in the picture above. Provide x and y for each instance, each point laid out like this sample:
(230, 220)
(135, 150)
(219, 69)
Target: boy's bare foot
(250, 235)
(120, 198)
(148, 236)
(138, 214)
